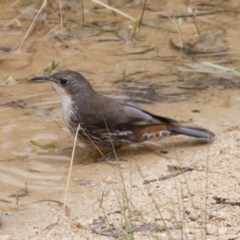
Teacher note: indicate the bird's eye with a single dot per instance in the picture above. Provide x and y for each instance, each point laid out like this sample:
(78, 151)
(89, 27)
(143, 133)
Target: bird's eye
(63, 81)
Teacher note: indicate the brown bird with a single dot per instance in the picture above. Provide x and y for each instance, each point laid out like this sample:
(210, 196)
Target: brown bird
(108, 122)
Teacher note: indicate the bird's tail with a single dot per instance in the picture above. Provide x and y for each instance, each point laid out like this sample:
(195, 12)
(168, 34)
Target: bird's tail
(194, 132)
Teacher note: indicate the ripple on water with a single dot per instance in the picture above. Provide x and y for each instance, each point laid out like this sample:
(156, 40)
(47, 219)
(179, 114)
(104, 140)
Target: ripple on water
(23, 162)
(37, 174)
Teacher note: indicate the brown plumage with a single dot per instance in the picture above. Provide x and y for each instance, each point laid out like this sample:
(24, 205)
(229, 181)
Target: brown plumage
(108, 122)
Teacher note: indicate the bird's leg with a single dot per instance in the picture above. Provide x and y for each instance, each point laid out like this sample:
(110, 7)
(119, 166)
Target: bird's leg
(106, 156)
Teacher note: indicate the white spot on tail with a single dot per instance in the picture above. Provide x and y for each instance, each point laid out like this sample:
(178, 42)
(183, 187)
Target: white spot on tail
(163, 133)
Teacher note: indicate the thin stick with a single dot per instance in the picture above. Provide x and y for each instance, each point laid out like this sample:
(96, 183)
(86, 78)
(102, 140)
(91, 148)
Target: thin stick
(179, 30)
(82, 14)
(141, 18)
(70, 168)
(10, 7)
(61, 17)
(34, 20)
(93, 143)
(113, 148)
(115, 10)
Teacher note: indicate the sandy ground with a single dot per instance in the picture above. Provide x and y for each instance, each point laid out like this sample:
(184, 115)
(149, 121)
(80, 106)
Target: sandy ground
(182, 205)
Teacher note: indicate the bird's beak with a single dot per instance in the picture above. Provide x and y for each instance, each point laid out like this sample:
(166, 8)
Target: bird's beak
(43, 77)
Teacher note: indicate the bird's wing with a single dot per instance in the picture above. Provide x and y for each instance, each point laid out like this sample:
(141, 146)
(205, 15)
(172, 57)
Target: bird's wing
(122, 115)
(139, 116)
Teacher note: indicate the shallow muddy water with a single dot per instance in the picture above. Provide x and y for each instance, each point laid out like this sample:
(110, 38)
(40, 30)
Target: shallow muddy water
(149, 69)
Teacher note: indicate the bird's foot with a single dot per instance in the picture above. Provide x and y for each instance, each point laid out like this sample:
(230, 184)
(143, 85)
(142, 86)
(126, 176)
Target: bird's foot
(111, 156)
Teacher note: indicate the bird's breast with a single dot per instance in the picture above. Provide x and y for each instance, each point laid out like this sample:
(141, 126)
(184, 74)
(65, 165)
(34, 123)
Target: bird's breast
(68, 110)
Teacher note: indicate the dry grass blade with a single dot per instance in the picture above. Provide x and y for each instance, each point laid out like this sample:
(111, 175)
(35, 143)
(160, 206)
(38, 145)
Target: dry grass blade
(82, 14)
(49, 227)
(61, 18)
(143, 9)
(92, 142)
(70, 168)
(115, 10)
(41, 10)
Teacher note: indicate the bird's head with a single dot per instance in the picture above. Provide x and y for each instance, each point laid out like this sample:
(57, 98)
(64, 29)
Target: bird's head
(67, 82)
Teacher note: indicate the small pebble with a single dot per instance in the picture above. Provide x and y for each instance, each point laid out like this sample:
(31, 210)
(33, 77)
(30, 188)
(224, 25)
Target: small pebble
(85, 181)
(6, 48)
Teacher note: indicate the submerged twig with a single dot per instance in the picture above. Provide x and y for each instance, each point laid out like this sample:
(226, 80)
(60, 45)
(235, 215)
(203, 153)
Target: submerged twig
(168, 176)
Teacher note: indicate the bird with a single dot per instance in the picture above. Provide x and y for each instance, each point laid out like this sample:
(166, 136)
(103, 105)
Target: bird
(110, 123)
